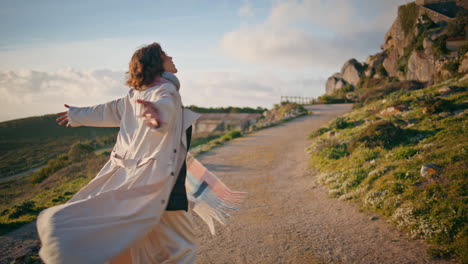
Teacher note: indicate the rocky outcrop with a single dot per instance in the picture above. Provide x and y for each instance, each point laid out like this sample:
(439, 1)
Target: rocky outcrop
(373, 62)
(401, 35)
(390, 63)
(352, 71)
(335, 83)
(413, 49)
(463, 68)
(396, 38)
(420, 67)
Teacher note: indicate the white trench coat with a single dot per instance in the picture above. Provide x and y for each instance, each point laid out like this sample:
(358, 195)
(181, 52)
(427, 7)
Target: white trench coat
(128, 196)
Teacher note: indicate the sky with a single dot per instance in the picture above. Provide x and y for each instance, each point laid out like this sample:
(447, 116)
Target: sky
(242, 53)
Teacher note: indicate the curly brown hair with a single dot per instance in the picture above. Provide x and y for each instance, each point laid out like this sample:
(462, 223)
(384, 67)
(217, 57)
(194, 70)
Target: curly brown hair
(146, 64)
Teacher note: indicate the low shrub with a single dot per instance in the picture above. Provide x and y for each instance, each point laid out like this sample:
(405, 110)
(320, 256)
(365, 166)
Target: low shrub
(197, 141)
(27, 207)
(379, 134)
(52, 166)
(451, 66)
(340, 123)
(231, 135)
(371, 83)
(80, 150)
(404, 153)
(336, 151)
(383, 91)
(330, 99)
(105, 153)
(319, 132)
(329, 148)
(357, 175)
(434, 105)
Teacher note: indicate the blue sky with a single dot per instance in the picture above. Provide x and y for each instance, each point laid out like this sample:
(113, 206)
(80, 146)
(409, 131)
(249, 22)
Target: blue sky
(229, 53)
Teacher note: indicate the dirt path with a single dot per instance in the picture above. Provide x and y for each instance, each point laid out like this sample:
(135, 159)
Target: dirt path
(287, 217)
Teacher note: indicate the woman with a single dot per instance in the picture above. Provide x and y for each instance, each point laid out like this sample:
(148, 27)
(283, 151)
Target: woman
(120, 216)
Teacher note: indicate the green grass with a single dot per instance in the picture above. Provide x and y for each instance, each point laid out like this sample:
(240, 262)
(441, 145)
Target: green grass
(380, 168)
(31, 142)
(23, 200)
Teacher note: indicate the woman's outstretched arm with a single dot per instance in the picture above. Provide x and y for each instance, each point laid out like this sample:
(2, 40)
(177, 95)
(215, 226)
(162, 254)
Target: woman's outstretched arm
(102, 115)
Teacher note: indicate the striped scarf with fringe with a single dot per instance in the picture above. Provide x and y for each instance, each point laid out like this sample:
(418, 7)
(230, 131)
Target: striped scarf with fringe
(212, 199)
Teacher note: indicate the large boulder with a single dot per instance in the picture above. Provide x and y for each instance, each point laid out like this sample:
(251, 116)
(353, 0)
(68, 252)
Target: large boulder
(390, 62)
(352, 71)
(420, 67)
(334, 83)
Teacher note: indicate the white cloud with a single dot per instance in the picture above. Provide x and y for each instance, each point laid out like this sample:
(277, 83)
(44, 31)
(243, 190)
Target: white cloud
(285, 47)
(246, 10)
(30, 93)
(26, 93)
(313, 32)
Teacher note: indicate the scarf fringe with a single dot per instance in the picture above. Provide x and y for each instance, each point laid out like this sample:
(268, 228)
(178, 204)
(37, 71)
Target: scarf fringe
(211, 197)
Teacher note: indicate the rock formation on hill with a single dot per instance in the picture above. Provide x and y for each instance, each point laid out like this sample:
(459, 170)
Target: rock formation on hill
(427, 42)
(351, 73)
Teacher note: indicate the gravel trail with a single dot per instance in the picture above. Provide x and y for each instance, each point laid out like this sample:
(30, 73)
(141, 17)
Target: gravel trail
(287, 217)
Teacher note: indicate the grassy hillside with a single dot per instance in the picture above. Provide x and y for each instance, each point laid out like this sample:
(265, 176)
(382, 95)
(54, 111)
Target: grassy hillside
(22, 199)
(403, 152)
(31, 142)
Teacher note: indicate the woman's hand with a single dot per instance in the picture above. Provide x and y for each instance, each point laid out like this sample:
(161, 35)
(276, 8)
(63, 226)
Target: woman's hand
(63, 117)
(150, 114)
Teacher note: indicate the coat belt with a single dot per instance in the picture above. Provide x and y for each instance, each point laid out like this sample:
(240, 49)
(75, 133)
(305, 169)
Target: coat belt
(129, 163)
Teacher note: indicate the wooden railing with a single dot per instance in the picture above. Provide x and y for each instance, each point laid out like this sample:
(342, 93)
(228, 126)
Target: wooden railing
(298, 99)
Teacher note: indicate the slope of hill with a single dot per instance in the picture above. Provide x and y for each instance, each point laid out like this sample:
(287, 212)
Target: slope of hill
(31, 142)
(403, 152)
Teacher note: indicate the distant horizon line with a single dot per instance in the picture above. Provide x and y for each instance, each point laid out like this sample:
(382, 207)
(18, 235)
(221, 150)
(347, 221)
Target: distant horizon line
(42, 115)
